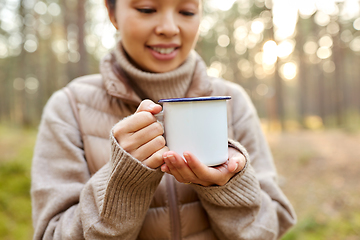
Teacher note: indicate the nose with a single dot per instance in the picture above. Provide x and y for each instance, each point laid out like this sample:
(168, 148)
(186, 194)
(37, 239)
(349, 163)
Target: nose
(167, 25)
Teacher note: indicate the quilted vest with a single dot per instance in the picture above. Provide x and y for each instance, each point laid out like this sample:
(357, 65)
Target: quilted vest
(176, 211)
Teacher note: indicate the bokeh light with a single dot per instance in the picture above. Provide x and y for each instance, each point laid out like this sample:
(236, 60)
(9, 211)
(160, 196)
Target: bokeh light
(216, 69)
(328, 7)
(288, 71)
(246, 68)
(19, 84)
(329, 66)
(206, 24)
(40, 8)
(240, 33)
(321, 18)
(355, 44)
(356, 24)
(54, 9)
(257, 26)
(310, 47)
(270, 52)
(324, 52)
(326, 41)
(285, 48)
(223, 5)
(306, 8)
(262, 89)
(240, 48)
(223, 40)
(30, 45)
(285, 16)
(31, 85)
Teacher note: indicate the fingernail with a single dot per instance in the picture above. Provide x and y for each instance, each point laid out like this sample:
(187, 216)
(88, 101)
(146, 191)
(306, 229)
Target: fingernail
(152, 106)
(236, 167)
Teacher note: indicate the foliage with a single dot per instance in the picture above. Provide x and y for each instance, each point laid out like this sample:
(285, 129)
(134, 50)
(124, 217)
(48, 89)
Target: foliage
(16, 147)
(344, 227)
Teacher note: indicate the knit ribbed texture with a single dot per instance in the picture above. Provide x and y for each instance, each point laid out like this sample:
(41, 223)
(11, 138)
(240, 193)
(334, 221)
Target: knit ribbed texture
(130, 187)
(242, 190)
(156, 86)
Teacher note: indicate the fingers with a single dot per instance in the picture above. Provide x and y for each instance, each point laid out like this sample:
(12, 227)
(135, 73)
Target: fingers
(209, 176)
(179, 168)
(236, 164)
(236, 161)
(149, 148)
(143, 136)
(149, 106)
(192, 170)
(135, 122)
(156, 159)
(175, 163)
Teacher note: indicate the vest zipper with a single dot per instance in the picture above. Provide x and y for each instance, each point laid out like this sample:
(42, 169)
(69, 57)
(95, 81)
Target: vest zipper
(173, 208)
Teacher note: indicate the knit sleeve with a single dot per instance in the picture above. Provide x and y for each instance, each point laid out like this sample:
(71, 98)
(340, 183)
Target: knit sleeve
(242, 190)
(67, 202)
(251, 205)
(122, 190)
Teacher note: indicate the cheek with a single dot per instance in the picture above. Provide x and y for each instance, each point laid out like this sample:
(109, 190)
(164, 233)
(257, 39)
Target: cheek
(191, 33)
(135, 30)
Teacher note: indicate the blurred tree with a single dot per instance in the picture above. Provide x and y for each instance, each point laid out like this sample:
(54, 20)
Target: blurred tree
(297, 60)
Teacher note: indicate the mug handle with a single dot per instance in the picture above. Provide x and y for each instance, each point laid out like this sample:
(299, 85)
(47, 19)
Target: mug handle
(160, 118)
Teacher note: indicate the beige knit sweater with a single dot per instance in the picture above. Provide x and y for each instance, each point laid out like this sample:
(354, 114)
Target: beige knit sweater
(70, 203)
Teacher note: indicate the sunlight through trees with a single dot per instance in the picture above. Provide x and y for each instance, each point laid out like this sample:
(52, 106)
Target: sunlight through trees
(296, 58)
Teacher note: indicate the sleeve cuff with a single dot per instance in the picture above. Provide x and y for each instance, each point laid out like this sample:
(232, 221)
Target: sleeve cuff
(241, 190)
(128, 186)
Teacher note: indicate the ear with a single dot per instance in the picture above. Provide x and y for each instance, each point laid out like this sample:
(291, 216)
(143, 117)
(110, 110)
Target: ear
(111, 13)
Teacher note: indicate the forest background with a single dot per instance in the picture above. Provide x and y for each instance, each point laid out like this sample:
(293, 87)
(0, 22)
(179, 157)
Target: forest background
(297, 59)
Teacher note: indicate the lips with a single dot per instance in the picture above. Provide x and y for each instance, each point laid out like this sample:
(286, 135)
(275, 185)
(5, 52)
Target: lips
(164, 51)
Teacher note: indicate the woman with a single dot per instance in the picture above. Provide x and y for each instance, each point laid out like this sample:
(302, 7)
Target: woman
(85, 186)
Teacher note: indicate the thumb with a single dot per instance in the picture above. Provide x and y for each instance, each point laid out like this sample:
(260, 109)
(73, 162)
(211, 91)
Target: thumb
(236, 163)
(148, 106)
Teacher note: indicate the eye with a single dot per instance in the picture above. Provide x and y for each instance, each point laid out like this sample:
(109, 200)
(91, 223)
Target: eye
(146, 10)
(187, 13)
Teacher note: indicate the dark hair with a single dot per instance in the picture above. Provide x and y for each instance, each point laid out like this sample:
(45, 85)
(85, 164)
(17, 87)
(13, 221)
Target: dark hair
(111, 4)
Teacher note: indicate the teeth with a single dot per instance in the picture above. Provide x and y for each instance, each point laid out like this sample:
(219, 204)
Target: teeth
(163, 50)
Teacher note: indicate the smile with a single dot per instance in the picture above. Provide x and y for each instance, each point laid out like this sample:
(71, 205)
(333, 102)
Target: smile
(163, 50)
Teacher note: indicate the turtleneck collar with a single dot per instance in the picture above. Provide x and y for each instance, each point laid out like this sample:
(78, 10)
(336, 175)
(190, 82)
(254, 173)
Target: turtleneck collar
(156, 86)
(118, 79)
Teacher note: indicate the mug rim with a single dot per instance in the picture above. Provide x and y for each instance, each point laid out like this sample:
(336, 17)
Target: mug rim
(210, 98)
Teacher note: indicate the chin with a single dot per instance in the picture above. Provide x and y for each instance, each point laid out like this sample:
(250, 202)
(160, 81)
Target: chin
(162, 69)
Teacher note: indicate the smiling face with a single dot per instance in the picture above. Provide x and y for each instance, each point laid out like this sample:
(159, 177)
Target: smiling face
(158, 35)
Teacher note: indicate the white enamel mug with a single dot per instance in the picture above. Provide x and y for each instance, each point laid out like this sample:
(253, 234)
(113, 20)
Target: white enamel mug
(197, 125)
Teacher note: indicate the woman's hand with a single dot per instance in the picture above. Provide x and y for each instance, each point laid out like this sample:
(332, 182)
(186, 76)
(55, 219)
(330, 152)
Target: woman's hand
(141, 135)
(193, 171)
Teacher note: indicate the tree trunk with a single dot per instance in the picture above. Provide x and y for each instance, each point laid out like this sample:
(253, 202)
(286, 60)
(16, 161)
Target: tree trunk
(83, 64)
